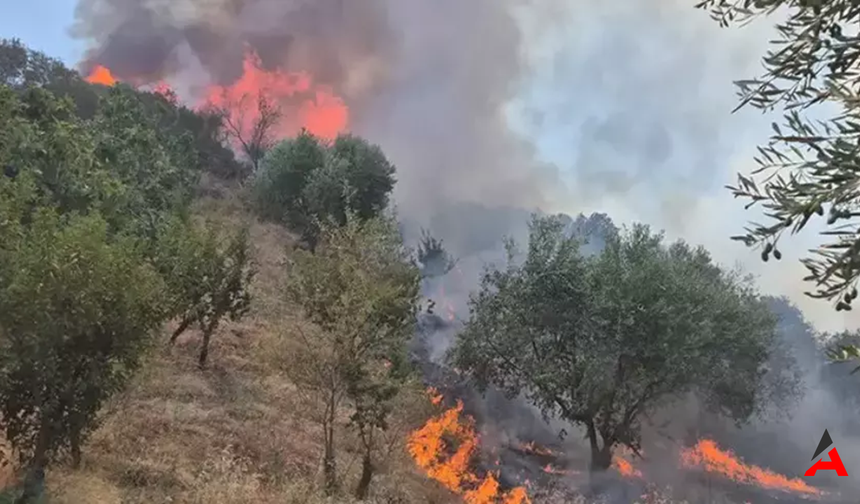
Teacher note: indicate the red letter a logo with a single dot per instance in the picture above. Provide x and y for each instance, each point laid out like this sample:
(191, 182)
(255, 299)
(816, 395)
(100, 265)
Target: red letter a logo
(834, 464)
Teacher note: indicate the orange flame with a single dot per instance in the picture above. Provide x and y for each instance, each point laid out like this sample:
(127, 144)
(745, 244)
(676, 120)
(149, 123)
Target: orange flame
(709, 456)
(532, 447)
(625, 468)
(431, 447)
(101, 75)
(305, 104)
(435, 396)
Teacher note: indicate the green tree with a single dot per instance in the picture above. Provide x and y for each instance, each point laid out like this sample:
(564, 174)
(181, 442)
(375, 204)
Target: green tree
(21, 67)
(360, 290)
(284, 173)
(208, 277)
(368, 173)
(435, 261)
(77, 309)
(304, 182)
(809, 168)
(602, 340)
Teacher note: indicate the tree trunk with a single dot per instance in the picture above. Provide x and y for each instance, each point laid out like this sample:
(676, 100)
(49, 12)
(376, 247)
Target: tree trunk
(34, 481)
(75, 441)
(179, 330)
(366, 476)
(204, 349)
(601, 457)
(329, 462)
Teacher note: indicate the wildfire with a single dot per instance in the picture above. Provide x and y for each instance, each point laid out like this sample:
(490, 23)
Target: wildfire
(532, 447)
(444, 447)
(303, 103)
(709, 456)
(101, 75)
(625, 468)
(621, 463)
(435, 396)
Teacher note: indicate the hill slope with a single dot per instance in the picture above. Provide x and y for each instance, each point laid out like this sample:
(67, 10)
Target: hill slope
(238, 432)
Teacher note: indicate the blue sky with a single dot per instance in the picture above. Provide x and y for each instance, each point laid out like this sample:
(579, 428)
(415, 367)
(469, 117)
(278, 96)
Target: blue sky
(629, 99)
(42, 25)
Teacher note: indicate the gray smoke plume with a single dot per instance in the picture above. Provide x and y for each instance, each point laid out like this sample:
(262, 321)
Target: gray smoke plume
(427, 80)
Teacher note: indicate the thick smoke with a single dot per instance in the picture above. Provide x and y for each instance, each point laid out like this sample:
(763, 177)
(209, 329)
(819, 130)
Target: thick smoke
(427, 80)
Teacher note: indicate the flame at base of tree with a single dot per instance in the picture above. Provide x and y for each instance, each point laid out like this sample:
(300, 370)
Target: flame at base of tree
(444, 448)
(625, 468)
(707, 455)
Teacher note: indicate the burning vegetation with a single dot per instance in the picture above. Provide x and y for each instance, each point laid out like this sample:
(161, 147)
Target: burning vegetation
(706, 455)
(301, 102)
(445, 449)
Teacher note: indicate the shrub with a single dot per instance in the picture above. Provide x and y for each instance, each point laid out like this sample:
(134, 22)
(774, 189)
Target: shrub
(304, 182)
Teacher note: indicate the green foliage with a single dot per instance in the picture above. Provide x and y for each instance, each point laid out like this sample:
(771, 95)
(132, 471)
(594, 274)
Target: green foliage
(603, 340)
(368, 173)
(77, 307)
(42, 140)
(156, 168)
(205, 129)
(88, 202)
(285, 171)
(434, 259)
(21, 67)
(208, 277)
(845, 349)
(360, 289)
(303, 182)
(119, 163)
(808, 168)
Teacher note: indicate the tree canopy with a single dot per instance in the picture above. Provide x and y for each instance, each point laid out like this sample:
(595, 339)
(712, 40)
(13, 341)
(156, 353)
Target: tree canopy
(603, 339)
(809, 167)
(305, 181)
(360, 289)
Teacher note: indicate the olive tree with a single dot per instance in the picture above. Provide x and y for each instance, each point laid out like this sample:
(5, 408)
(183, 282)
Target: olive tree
(77, 309)
(209, 277)
(360, 292)
(602, 340)
(809, 168)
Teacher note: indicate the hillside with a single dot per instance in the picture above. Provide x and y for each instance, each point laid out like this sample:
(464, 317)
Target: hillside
(236, 432)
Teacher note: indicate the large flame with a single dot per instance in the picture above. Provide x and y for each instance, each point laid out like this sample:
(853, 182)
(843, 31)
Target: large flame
(302, 102)
(444, 447)
(707, 455)
(101, 75)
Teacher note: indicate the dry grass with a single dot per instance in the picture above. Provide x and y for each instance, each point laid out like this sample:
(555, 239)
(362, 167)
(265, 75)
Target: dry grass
(236, 433)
